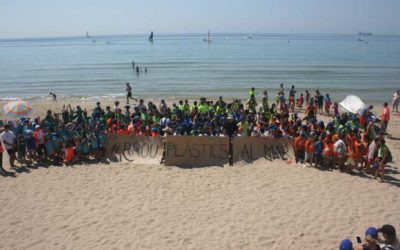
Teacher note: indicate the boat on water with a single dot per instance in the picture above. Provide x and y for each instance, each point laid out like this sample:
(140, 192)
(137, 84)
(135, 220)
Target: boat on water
(364, 33)
(208, 39)
(361, 39)
(151, 37)
(87, 34)
(248, 37)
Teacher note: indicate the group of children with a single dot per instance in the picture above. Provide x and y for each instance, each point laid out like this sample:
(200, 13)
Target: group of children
(77, 134)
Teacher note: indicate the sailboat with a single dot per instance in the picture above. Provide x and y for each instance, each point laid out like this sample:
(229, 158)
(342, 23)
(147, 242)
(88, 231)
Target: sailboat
(87, 34)
(151, 37)
(208, 39)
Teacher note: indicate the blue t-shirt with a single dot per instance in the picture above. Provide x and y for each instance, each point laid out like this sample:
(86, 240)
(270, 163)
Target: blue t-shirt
(30, 142)
(94, 144)
(85, 148)
(318, 148)
(49, 148)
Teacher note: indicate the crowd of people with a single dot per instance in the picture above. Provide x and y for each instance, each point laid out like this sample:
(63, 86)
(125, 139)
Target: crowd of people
(373, 241)
(346, 141)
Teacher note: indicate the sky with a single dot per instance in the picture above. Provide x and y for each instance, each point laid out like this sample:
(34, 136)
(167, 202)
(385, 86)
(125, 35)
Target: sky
(52, 18)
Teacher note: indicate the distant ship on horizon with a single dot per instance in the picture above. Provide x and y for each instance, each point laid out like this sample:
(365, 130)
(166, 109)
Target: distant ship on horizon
(87, 34)
(208, 39)
(364, 33)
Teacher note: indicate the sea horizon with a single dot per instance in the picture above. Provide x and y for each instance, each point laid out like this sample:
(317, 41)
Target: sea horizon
(218, 33)
(183, 65)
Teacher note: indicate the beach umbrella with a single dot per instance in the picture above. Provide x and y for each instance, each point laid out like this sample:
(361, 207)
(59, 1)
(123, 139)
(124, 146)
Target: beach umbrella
(18, 109)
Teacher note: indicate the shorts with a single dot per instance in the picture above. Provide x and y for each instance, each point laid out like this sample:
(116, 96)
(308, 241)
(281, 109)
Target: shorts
(309, 156)
(10, 151)
(129, 94)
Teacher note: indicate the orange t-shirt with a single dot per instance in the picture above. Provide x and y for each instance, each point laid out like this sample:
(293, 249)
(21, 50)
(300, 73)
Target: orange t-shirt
(299, 143)
(328, 149)
(357, 152)
(385, 115)
(69, 154)
(310, 148)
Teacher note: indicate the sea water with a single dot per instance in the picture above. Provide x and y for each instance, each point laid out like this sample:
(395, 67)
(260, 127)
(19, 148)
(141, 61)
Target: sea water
(183, 65)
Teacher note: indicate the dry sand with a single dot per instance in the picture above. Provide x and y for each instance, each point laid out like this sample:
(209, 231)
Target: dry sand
(259, 206)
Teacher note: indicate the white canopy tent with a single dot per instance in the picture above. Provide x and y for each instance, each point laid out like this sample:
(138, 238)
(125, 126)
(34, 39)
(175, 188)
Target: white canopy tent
(353, 104)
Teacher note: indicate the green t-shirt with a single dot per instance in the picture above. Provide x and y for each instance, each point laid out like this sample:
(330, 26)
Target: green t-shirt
(244, 126)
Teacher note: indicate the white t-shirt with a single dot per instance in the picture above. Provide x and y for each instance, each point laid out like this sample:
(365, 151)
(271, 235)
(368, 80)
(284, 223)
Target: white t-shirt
(340, 146)
(371, 150)
(395, 245)
(8, 137)
(396, 96)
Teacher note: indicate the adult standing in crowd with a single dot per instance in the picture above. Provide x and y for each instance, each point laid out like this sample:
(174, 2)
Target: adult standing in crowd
(391, 242)
(8, 139)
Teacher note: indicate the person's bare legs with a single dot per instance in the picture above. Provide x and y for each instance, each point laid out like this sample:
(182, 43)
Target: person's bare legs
(12, 159)
(382, 170)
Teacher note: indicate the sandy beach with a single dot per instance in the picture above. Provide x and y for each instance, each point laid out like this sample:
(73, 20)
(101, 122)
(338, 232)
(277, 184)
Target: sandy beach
(258, 206)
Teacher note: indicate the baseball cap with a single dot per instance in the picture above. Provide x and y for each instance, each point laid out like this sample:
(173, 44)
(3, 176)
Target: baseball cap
(372, 231)
(346, 245)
